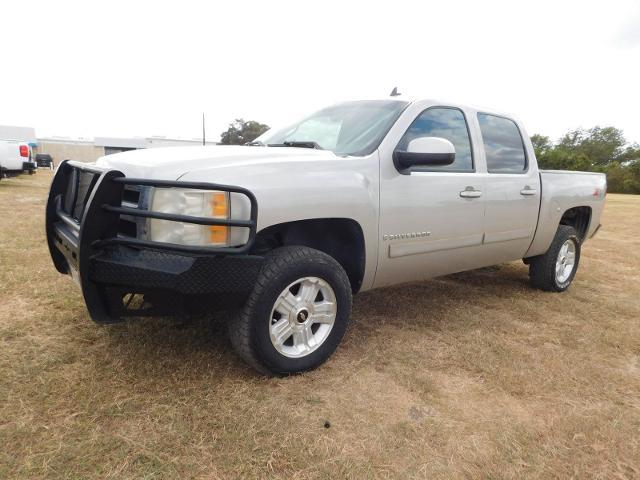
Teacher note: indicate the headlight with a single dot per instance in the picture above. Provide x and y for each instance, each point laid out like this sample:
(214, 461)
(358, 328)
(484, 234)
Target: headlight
(196, 203)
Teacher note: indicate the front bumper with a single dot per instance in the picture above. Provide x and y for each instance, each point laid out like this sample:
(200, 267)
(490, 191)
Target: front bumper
(123, 276)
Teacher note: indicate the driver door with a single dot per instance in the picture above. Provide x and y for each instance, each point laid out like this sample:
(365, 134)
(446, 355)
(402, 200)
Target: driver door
(431, 219)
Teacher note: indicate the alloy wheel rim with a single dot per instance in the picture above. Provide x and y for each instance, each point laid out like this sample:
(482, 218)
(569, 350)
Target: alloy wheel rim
(302, 317)
(566, 261)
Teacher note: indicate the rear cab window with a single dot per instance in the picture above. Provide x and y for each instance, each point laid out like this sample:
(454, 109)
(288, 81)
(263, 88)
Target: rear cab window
(503, 144)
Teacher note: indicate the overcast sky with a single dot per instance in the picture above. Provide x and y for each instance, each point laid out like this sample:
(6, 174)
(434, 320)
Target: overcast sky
(137, 68)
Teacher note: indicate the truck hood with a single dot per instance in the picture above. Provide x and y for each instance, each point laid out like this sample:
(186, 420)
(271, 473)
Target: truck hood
(171, 163)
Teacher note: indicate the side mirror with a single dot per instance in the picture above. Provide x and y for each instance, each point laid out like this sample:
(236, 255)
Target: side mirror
(424, 152)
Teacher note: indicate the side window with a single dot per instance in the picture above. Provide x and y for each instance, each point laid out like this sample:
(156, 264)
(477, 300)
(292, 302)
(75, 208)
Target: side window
(502, 144)
(443, 122)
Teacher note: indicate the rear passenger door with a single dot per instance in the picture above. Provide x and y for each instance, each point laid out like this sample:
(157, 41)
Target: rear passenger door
(512, 189)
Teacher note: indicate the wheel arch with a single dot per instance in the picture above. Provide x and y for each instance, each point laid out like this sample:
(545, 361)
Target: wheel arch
(552, 217)
(341, 238)
(578, 218)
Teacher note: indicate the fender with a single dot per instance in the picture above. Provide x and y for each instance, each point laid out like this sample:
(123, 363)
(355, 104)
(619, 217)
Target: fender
(311, 188)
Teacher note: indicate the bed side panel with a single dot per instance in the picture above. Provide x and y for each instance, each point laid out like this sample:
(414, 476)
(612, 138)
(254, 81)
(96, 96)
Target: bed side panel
(562, 190)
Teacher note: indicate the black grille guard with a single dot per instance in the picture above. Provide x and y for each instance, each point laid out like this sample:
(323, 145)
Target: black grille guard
(83, 214)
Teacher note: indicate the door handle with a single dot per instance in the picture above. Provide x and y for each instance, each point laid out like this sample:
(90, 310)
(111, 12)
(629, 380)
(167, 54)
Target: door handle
(470, 192)
(528, 191)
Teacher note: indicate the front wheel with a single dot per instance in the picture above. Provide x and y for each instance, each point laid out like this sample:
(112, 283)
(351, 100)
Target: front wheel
(297, 313)
(554, 271)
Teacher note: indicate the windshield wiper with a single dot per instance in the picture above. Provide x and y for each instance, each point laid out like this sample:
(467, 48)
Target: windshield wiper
(254, 143)
(297, 144)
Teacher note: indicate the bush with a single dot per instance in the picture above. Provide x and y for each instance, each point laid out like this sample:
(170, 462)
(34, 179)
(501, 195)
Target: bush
(623, 178)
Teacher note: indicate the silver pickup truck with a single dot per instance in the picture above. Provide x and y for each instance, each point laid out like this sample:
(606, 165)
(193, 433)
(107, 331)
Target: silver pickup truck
(357, 196)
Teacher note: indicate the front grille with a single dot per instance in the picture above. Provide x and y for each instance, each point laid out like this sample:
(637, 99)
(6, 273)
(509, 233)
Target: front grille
(127, 228)
(133, 196)
(80, 185)
(79, 188)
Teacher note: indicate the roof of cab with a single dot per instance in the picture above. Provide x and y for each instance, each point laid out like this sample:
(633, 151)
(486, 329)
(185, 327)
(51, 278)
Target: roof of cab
(436, 101)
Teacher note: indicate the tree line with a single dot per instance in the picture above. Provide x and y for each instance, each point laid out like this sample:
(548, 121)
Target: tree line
(597, 149)
(241, 132)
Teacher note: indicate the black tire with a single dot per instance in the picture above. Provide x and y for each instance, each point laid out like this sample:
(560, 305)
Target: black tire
(250, 332)
(542, 269)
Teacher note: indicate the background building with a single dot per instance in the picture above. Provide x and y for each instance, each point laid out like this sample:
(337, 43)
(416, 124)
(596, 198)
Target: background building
(88, 149)
(62, 148)
(119, 144)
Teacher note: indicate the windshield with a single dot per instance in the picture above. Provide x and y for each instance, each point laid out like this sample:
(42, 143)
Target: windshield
(350, 128)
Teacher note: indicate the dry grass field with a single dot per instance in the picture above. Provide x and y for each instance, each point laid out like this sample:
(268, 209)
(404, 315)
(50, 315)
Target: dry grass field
(474, 375)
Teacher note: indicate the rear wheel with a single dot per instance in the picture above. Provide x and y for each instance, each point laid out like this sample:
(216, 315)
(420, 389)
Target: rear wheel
(554, 271)
(297, 313)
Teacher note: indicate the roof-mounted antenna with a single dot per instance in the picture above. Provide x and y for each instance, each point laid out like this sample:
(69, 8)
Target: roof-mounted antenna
(394, 92)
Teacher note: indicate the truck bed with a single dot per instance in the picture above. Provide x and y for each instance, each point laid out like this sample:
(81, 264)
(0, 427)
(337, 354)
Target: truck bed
(562, 190)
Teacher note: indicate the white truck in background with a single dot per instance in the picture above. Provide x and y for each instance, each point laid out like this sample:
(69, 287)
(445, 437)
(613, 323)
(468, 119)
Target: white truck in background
(15, 158)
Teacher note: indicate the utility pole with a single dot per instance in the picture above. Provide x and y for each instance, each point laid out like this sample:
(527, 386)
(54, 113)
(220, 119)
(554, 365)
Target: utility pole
(203, 134)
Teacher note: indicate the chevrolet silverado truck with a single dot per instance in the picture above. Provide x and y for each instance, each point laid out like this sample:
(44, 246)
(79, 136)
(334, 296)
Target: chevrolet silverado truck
(15, 158)
(357, 196)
